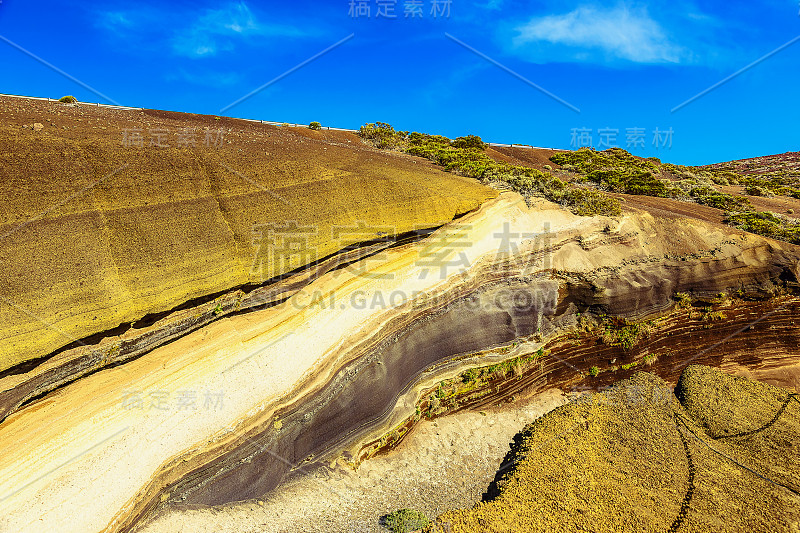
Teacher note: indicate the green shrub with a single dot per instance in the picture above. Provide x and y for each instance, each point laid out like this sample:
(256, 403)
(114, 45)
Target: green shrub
(766, 224)
(616, 170)
(713, 316)
(757, 190)
(382, 135)
(69, 99)
(594, 371)
(465, 156)
(620, 332)
(707, 196)
(632, 181)
(404, 520)
(470, 375)
(423, 139)
(645, 184)
(586, 160)
(587, 203)
(315, 126)
(470, 141)
(684, 299)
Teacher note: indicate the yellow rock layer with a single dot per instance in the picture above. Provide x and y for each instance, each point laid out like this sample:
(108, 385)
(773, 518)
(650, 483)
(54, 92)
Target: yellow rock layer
(94, 234)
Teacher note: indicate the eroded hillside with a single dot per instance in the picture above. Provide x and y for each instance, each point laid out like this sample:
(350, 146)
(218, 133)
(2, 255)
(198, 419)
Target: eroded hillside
(169, 347)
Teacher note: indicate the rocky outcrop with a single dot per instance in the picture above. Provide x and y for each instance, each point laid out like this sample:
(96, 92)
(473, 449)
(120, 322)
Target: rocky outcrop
(754, 338)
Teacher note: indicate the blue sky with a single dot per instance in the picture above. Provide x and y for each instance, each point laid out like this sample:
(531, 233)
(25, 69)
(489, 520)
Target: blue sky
(509, 71)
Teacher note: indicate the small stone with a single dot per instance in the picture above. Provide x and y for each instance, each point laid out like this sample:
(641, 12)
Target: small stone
(38, 126)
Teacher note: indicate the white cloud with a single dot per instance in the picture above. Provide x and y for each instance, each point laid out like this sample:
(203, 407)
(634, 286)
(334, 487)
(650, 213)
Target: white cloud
(112, 20)
(492, 5)
(216, 29)
(208, 78)
(591, 34)
(203, 34)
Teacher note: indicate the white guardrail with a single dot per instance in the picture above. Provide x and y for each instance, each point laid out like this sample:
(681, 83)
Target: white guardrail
(268, 122)
(110, 106)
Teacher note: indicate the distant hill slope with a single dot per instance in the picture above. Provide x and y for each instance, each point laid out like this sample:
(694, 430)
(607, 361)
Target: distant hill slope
(779, 163)
(97, 231)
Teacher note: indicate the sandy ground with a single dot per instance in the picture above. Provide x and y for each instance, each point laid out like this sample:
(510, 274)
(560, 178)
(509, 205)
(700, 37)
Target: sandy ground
(444, 464)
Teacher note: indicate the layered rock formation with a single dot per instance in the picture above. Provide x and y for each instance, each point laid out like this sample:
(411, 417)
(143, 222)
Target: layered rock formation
(295, 376)
(226, 378)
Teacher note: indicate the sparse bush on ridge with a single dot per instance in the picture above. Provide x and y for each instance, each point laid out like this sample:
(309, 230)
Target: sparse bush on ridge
(466, 156)
(382, 135)
(470, 141)
(777, 183)
(315, 126)
(766, 224)
(613, 170)
(616, 170)
(69, 99)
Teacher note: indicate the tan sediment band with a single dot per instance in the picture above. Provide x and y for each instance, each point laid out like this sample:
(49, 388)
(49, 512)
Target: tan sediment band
(70, 365)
